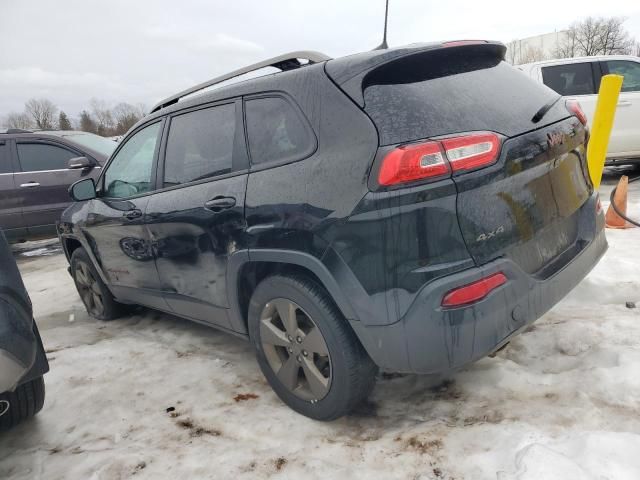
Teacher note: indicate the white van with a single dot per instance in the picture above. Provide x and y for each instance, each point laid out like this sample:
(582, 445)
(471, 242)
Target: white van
(579, 79)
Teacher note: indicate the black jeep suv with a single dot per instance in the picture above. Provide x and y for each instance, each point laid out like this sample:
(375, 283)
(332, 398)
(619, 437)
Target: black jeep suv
(409, 209)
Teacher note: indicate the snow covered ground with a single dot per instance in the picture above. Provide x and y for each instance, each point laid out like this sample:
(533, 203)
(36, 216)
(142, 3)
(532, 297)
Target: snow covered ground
(151, 396)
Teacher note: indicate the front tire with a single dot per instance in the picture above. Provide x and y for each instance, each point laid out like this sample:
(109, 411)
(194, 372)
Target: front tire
(306, 349)
(24, 402)
(95, 295)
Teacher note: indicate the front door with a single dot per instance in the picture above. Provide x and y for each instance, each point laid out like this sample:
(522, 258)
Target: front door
(115, 224)
(43, 181)
(627, 121)
(10, 208)
(197, 220)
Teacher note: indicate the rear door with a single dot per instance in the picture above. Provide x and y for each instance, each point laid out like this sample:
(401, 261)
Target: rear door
(10, 208)
(627, 121)
(43, 181)
(114, 221)
(197, 220)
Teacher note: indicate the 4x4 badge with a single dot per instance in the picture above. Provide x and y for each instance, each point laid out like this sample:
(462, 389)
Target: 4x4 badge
(486, 236)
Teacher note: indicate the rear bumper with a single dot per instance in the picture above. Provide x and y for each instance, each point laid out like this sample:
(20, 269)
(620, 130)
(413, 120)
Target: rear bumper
(430, 339)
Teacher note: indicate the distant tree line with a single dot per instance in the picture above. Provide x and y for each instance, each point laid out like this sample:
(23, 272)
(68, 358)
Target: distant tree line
(99, 118)
(589, 37)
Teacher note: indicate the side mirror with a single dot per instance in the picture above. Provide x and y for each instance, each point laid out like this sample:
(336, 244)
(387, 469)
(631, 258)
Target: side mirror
(84, 189)
(79, 163)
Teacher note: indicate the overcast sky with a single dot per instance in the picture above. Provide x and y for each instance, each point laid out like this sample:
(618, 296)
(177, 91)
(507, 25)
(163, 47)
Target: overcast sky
(143, 50)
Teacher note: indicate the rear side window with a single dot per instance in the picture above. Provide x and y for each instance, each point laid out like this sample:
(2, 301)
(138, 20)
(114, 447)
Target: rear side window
(200, 145)
(630, 71)
(276, 132)
(43, 156)
(5, 161)
(571, 79)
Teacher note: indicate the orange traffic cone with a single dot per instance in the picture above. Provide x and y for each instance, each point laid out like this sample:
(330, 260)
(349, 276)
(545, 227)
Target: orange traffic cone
(612, 219)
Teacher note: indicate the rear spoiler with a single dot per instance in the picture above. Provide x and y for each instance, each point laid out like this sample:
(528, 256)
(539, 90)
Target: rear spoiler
(350, 73)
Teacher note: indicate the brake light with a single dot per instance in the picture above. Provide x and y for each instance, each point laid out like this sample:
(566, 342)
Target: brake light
(436, 159)
(413, 162)
(457, 43)
(474, 291)
(471, 151)
(574, 107)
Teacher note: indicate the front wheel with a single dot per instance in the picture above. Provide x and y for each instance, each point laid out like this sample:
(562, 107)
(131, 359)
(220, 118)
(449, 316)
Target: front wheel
(307, 350)
(95, 295)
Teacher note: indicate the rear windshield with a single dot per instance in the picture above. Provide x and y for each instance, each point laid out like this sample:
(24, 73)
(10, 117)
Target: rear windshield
(446, 93)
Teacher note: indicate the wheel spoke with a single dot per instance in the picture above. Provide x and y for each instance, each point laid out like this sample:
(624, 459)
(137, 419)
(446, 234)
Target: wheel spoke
(317, 382)
(80, 277)
(272, 335)
(313, 342)
(287, 312)
(95, 288)
(288, 373)
(97, 301)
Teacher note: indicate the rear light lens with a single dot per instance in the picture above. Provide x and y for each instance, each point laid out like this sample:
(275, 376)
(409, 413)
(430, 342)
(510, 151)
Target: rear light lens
(413, 162)
(457, 43)
(472, 151)
(574, 107)
(474, 291)
(437, 159)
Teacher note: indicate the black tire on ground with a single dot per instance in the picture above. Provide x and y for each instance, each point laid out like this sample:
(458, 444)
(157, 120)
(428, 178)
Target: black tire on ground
(352, 372)
(23, 403)
(97, 299)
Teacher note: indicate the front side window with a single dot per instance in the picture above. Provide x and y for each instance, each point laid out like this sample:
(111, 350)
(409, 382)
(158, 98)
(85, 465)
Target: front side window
(129, 173)
(629, 70)
(43, 156)
(276, 132)
(200, 145)
(570, 79)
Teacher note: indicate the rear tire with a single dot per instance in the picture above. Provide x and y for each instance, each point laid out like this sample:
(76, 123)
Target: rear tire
(23, 403)
(95, 295)
(306, 349)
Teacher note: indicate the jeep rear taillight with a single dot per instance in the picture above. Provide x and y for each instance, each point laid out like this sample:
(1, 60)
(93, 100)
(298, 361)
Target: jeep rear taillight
(438, 159)
(574, 107)
(413, 162)
(472, 151)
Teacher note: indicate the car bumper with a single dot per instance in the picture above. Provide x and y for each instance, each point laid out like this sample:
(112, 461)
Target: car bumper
(33, 364)
(431, 339)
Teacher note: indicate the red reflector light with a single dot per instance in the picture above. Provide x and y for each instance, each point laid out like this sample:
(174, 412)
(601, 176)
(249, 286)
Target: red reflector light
(413, 162)
(574, 107)
(471, 151)
(474, 291)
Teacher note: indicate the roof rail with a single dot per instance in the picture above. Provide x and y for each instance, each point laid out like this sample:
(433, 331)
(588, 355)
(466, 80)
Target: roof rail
(18, 130)
(287, 61)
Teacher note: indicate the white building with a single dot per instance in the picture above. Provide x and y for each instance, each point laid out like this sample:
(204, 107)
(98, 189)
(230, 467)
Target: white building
(533, 49)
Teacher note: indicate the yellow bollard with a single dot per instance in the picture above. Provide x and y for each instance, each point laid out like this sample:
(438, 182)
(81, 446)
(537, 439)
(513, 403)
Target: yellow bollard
(601, 126)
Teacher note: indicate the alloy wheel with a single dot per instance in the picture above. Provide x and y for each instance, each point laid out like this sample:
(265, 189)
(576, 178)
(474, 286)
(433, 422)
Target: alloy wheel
(89, 289)
(295, 349)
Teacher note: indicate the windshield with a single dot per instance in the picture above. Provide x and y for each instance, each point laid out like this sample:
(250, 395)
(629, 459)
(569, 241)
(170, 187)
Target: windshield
(94, 142)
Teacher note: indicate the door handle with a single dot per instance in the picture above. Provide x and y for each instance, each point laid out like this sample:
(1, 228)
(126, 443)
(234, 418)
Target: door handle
(217, 204)
(624, 103)
(131, 214)
(29, 185)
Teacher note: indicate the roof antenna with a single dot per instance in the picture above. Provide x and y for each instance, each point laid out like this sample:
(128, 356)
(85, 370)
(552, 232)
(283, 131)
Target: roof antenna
(383, 45)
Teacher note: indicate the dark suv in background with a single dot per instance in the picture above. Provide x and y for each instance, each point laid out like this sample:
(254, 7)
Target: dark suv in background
(36, 169)
(409, 209)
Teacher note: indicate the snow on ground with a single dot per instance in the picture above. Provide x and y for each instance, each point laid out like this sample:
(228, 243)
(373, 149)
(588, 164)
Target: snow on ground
(151, 396)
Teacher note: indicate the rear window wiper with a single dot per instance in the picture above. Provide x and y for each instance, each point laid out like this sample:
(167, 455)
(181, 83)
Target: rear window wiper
(543, 111)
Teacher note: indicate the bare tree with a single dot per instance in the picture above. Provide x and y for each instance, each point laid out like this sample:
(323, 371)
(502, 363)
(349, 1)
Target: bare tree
(596, 36)
(42, 111)
(103, 117)
(531, 54)
(126, 116)
(19, 120)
